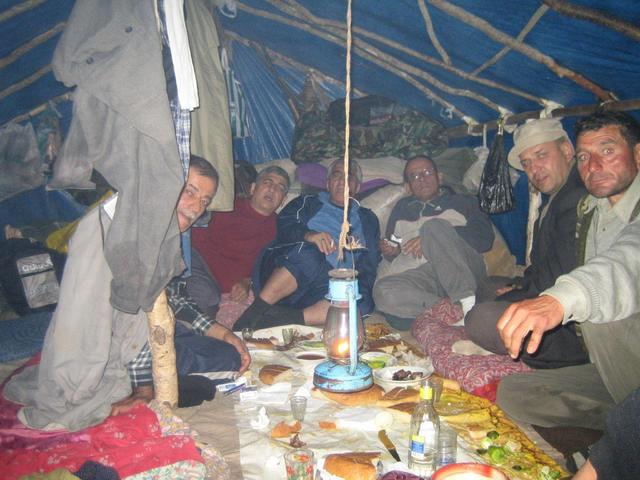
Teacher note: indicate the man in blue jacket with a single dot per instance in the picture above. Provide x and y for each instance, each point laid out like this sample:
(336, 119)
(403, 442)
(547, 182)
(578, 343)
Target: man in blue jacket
(290, 279)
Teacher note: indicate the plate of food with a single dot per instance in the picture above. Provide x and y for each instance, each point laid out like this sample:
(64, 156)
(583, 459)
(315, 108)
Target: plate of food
(400, 376)
(378, 359)
(311, 345)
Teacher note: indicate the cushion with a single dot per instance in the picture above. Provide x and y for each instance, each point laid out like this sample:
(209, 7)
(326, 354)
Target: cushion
(434, 333)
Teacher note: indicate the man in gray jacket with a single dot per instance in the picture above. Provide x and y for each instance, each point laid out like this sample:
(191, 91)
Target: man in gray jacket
(602, 295)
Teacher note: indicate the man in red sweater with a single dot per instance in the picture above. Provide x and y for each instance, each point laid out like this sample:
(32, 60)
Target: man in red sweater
(223, 253)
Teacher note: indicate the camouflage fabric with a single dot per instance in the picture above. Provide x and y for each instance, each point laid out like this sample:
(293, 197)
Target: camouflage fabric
(316, 137)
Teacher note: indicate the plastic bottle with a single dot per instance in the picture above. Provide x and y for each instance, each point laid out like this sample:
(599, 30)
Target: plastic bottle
(423, 434)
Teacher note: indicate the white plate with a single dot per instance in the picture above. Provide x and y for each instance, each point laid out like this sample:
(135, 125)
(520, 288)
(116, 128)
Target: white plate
(384, 376)
(277, 331)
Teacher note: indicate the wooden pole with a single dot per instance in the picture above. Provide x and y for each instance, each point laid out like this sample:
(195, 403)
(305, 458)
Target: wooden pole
(595, 16)
(161, 335)
(520, 47)
(432, 33)
(19, 8)
(535, 18)
(578, 111)
(292, 8)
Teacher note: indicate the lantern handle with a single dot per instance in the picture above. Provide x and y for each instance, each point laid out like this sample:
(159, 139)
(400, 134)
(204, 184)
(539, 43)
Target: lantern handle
(353, 330)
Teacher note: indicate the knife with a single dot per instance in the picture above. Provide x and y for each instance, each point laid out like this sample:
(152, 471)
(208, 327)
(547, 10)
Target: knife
(382, 435)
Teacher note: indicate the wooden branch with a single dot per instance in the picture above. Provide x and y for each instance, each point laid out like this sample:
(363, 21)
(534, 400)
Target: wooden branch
(432, 33)
(163, 353)
(382, 59)
(25, 81)
(535, 18)
(526, 50)
(577, 111)
(337, 29)
(595, 16)
(34, 42)
(18, 9)
(40, 108)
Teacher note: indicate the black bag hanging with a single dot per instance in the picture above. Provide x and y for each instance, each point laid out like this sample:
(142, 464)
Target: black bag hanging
(495, 193)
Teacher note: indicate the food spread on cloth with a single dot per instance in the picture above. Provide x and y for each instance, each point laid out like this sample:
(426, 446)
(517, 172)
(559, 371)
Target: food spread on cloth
(342, 427)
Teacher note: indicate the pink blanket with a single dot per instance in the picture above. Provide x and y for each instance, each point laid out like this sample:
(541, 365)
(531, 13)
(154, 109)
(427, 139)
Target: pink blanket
(476, 373)
(130, 443)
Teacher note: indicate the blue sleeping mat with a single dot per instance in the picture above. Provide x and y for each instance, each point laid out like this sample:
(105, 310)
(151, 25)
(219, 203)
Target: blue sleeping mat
(23, 337)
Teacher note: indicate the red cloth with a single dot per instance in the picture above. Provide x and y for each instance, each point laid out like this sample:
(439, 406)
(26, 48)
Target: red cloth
(130, 443)
(232, 241)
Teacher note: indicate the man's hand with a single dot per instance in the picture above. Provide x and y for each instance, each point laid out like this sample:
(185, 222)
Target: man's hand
(221, 332)
(140, 395)
(322, 240)
(536, 315)
(241, 347)
(505, 289)
(389, 250)
(413, 247)
(240, 290)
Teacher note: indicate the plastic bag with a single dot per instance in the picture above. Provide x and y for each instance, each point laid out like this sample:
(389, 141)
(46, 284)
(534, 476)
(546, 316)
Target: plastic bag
(495, 194)
(20, 161)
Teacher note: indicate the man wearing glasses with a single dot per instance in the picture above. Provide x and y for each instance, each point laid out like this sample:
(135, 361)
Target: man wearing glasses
(434, 240)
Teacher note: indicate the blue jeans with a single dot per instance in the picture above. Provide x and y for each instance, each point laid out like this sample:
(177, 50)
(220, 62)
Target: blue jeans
(201, 354)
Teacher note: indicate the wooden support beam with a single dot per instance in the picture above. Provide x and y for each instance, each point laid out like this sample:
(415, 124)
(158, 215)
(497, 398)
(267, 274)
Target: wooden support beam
(19, 8)
(522, 48)
(162, 325)
(535, 18)
(25, 81)
(337, 29)
(432, 33)
(595, 16)
(577, 111)
(34, 42)
(381, 60)
(40, 108)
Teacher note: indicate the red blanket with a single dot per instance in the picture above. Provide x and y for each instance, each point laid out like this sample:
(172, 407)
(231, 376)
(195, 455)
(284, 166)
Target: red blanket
(130, 443)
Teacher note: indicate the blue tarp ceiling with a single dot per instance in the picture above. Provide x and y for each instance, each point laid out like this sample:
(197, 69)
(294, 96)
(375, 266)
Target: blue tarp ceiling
(606, 59)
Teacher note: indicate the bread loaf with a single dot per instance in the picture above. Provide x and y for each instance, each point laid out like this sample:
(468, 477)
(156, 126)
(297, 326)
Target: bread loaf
(399, 395)
(352, 465)
(364, 397)
(270, 374)
(402, 411)
(282, 429)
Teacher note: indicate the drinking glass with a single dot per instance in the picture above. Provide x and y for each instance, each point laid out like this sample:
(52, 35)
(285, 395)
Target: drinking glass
(300, 464)
(298, 407)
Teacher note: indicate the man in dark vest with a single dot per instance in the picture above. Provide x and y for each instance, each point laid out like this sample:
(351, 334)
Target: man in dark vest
(543, 150)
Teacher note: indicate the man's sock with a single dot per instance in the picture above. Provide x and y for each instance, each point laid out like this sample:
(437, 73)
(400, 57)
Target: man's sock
(278, 315)
(252, 316)
(467, 304)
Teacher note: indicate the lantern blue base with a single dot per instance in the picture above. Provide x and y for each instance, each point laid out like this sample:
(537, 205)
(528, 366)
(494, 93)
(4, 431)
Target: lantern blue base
(335, 377)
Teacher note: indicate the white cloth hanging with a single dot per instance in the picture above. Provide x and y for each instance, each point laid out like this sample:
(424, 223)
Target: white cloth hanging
(181, 54)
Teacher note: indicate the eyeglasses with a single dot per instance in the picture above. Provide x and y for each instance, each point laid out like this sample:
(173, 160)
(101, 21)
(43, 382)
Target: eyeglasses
(340, 175)
(422, 174)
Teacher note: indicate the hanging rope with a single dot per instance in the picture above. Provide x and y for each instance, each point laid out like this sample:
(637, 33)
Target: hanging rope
(342, 242)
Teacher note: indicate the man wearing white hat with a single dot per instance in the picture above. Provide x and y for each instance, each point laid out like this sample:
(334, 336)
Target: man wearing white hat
(543, 150)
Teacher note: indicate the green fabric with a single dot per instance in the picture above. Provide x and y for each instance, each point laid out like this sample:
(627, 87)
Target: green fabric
(399, 323)
(57, 474)
(316, 137)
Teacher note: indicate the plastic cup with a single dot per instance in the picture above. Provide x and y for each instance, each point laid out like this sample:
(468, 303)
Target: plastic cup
(247, 333)
(300, 464)
(298, 407)
(447, 447)
(436, 385)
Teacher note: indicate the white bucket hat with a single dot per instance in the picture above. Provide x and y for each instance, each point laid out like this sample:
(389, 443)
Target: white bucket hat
(532, 133)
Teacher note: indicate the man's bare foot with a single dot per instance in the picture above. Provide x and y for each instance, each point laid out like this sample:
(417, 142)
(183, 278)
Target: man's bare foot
(140, 395)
